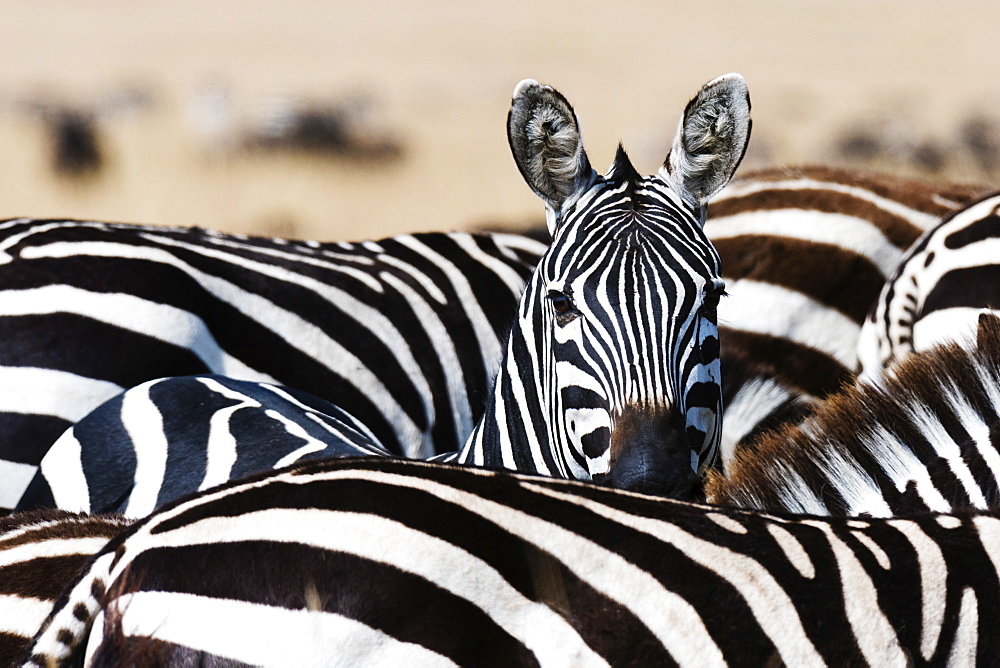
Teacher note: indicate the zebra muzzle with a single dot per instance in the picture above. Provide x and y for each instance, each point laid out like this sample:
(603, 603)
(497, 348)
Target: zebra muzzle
(650, 453)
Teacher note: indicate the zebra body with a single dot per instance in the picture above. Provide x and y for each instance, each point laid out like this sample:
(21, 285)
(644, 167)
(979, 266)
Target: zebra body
(40, 554)
(923, 439)
(805, 252)
(175, 436)
(615, 333)
(335, 556)
(939, 288)
(405, 332)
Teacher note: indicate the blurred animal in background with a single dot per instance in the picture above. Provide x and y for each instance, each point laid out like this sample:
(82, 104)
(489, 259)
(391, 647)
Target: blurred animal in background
(970, 147)
(74, 130)
(345, 128)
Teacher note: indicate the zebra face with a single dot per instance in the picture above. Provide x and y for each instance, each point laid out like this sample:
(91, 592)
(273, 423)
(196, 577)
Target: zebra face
(627, 298)
(618, 326)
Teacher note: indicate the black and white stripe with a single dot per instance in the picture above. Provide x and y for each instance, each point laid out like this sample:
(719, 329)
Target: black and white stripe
(175, 436)
(405, 332)
(939, 288)
(334, 558)
(924, 438)
(40, 555)
(805, 252)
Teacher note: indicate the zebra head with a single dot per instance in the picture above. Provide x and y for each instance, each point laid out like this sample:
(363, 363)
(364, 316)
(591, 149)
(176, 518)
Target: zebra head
(612, 368)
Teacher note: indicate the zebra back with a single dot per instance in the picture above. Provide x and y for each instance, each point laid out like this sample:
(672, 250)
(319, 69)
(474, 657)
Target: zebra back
(939, 288)
(805, 252)
(922, 439)
(40, 554)
(405, 332)
(335, 557)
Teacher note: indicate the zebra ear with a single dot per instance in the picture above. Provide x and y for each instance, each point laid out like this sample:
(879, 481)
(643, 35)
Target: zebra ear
(545, 139)
(711, 140)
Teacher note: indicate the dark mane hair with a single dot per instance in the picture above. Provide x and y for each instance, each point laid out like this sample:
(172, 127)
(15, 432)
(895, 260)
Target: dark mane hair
(861, 441)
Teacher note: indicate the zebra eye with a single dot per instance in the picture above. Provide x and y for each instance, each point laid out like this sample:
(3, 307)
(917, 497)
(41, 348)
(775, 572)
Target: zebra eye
(561, 302)
(713, 293)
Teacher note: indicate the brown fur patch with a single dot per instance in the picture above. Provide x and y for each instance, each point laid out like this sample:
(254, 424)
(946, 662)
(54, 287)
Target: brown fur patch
(842, 423)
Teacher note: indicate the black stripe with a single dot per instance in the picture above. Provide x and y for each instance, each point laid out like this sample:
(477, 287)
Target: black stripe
(338, 579)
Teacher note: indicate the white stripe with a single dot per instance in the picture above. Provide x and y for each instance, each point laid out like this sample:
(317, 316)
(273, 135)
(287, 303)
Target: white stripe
(963, 651)
(956, 324)
(51, 547)
(21, 616)
(35, 391)
(62, 468)
(792, 315)
(263, 635)
(221, 448)
(794, 552)
(933, 585)
(913, 216)
(157, 321)
(16, 477)
(444, 351)
(144, 425)
(536, 625)
(846, 232)
(489, 344)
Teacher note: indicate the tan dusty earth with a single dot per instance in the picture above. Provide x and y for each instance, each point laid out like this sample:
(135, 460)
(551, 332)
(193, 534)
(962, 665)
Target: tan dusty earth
(440, 74)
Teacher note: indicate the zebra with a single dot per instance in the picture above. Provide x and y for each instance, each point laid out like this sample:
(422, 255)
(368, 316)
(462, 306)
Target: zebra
(615, 336)
(174, 436)
(805, 251)
(41, 553)
(335, 557)
(922, 439)
(405, 332)
(938, 290)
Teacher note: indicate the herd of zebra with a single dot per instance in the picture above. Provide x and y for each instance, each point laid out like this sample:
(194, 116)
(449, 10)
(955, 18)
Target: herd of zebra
(760, 431)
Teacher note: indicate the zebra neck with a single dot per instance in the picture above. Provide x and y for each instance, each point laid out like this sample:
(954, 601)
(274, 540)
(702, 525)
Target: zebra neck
(514, 430)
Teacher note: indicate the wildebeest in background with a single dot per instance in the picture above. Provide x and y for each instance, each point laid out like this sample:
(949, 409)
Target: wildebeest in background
(76, 141)
(341, 129)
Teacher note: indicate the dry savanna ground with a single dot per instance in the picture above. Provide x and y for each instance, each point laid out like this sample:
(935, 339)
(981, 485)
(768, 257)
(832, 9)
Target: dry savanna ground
(903, 86)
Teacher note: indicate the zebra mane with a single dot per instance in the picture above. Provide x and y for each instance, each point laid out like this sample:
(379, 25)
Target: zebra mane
(920, 440)
(622, 169)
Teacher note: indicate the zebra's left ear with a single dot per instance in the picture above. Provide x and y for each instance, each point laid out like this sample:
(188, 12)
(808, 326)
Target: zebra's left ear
(544, 137)
(711, 140)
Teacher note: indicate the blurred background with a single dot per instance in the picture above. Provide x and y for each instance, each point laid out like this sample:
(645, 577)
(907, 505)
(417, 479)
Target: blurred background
(331, 120)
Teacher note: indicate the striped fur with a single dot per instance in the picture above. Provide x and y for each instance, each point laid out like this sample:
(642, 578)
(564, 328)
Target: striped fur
(175, 436)
(335, 558)
(616, 331)
(805, 252)
(939, 288)
(405, 332)
(923, 439)
(40, 554)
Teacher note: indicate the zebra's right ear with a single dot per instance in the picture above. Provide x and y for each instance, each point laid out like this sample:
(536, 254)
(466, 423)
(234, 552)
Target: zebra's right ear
(545, 139)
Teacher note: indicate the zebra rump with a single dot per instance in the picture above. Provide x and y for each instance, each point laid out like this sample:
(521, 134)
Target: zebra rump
(40, 554)
(924, 438)
(175, 436)
(333, 558)
(939, 289)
